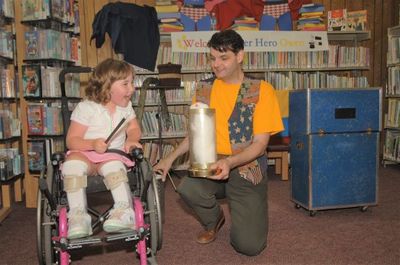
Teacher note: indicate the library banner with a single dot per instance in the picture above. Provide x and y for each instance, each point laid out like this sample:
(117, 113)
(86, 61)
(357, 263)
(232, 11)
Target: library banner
(255, 41)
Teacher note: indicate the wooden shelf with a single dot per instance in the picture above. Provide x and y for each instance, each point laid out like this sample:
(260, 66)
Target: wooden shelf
(9, 140)
(164, 137)
(349, 35)
(6, 197)
(155, 104)
(4, 212)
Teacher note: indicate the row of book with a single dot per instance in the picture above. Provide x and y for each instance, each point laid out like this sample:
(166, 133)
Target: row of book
(392, 146)
(393, 54)
(176, 95)
(44, 118)
(393, 115)
(10, 125)
(7, 8)
(152, 151)
(297, 80)
(42, 81)
(245, 23)
(7, 83)
(11, 163)
(62, 10)
(336, 56)
(393, 84)
(6, 44)
(311, 18)
(169, 17)
(150, 125)
(279, 80)
(343, 20)
(51, 44)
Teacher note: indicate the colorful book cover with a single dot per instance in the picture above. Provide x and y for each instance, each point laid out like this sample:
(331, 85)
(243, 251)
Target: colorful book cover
(31, 81)
(34, 112)
(36, 155)
(337, 20)
(30, 9)
(57, 9)
(357, 20)
(32, 44)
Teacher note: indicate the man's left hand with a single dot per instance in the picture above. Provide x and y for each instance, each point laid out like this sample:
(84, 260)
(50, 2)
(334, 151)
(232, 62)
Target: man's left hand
(221, 168)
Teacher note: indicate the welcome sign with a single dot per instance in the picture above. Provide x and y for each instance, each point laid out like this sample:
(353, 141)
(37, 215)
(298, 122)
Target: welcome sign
(255, 41)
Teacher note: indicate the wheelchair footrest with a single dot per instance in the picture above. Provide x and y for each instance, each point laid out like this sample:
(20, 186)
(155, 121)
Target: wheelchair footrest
(128, 236)
(78, 243)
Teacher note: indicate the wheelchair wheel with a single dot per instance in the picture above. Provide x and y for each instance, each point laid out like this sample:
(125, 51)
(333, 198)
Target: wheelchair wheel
(154, 198)
(154, 207)
(45, 226)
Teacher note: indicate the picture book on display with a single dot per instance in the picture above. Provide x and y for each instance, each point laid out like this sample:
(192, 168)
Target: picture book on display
(337, 20)
(35, 119)
(39, 153)
(32, 44)
(357, 20)
(31, 80)
(36, 155)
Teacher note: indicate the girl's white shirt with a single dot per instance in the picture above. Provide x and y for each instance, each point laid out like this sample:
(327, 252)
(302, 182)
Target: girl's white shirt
(100, 123)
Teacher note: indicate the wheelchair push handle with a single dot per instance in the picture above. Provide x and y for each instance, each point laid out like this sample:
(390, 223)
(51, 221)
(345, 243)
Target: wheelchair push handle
(73, 69)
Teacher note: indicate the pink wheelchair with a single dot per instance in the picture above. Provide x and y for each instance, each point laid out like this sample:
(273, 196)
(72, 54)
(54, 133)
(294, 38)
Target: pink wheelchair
(53, 246)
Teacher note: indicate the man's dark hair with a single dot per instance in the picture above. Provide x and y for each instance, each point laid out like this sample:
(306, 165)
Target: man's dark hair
(226, 40)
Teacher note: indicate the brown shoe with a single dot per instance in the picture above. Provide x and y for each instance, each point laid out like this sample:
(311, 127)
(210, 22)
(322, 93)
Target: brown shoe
(208, 236)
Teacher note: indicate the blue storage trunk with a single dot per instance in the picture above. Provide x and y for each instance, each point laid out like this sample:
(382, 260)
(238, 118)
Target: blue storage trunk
(334, 147)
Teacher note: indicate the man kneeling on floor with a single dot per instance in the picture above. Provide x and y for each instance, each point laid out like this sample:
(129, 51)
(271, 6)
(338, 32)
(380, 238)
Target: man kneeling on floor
(247, 113)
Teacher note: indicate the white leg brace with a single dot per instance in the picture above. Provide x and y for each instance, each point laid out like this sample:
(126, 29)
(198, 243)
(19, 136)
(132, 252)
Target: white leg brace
(116, 180)
(75, 182)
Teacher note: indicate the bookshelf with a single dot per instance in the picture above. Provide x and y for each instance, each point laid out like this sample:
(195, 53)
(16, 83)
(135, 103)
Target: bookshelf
(159, 139)
(11, 158)
(343, 65)
(391, 150)
(47, 41)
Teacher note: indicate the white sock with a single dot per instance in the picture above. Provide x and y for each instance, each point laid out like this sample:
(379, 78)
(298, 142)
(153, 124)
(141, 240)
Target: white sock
(122, 193)
(76, 169)
(77, 199)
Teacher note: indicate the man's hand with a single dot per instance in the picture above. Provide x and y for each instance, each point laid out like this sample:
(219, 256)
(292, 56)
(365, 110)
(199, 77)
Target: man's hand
(162, 168)
(222, 168)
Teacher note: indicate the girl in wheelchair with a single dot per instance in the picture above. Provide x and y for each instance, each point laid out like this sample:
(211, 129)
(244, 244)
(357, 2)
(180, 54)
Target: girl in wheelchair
(104, 120)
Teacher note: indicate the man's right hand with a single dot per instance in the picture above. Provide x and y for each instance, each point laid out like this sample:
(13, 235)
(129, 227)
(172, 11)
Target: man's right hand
(162, 168)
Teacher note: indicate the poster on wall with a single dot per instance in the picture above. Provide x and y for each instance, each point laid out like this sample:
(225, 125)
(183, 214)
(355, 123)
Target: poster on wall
(255, 41)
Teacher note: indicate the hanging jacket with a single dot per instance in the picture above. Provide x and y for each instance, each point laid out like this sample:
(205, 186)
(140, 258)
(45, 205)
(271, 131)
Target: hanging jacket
(133, 31)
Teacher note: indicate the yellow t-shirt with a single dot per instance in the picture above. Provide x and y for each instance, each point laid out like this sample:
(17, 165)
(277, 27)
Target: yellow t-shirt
(266, 118)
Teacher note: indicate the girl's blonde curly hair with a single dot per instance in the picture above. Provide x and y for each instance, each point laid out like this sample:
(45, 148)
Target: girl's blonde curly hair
(103, 76)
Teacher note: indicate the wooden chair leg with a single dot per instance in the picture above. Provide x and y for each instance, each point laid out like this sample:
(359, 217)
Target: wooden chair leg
(281, 163)
(285, 166)
(18, 190)
(278, 165)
